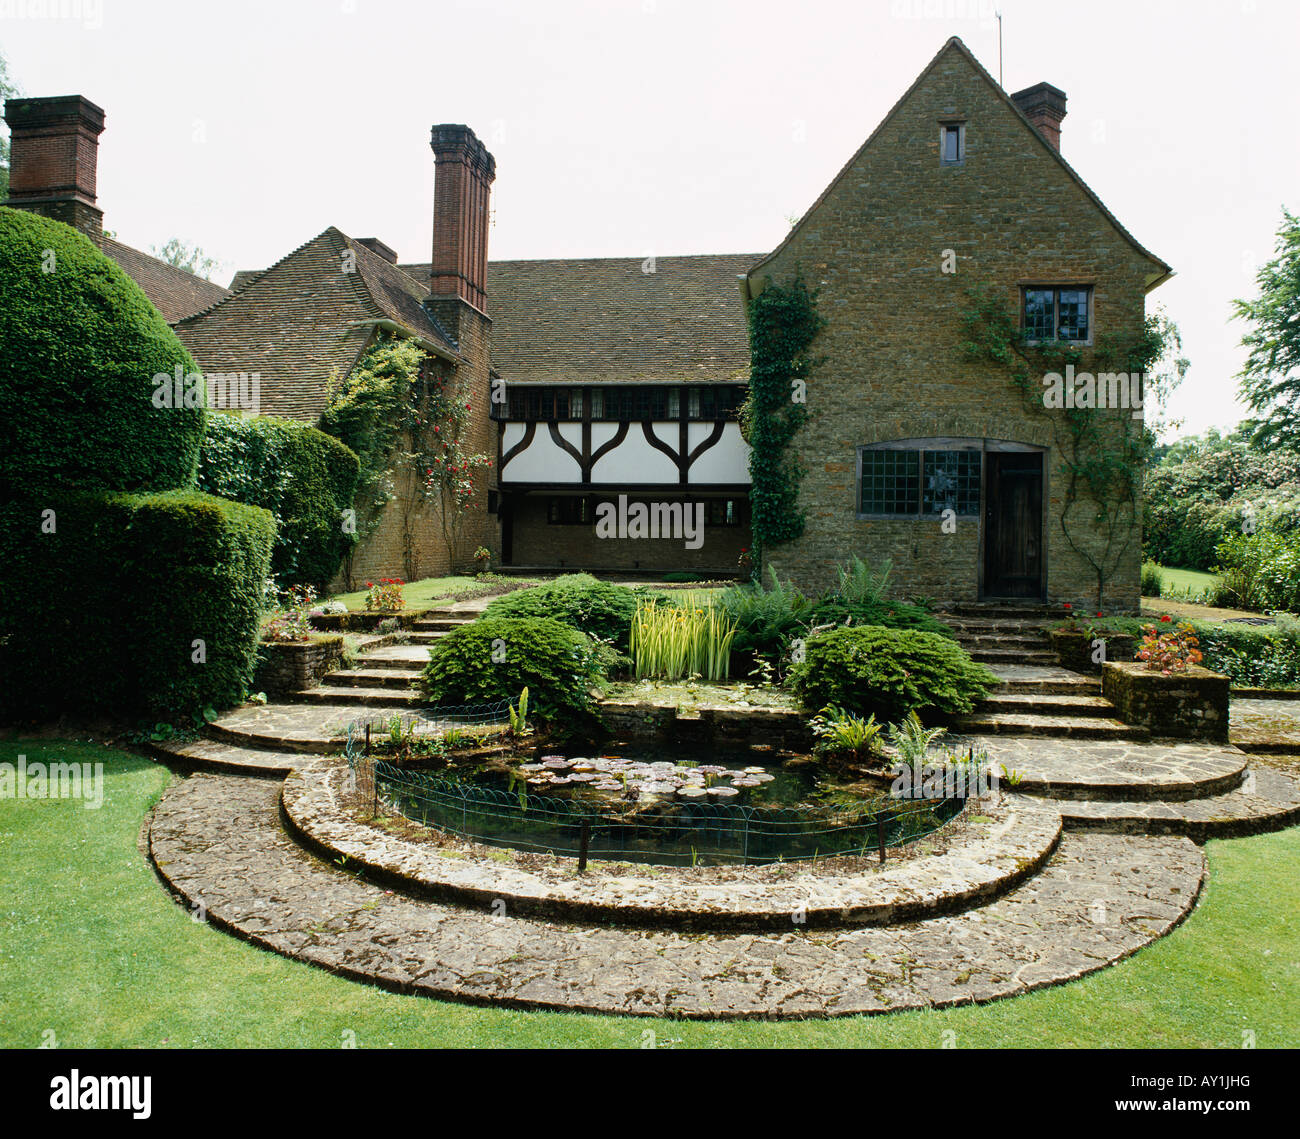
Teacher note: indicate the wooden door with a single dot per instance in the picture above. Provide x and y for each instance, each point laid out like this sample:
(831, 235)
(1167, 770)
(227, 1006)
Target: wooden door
(1013, 532)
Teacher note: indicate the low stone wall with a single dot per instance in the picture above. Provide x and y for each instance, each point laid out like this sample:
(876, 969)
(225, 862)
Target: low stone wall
(1188, 705)
(366, 620)
(721, 726)
(1075, 650)
(290, 666)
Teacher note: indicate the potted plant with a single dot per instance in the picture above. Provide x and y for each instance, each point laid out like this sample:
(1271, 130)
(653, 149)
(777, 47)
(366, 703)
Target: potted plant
(483, 559)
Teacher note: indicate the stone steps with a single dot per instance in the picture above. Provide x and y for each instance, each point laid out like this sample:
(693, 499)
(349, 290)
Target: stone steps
(388, 675)
(395, 656)
(1048, 704)
(373, 697)
(440, 624)
(1268, 800)
(1014, 656)
(228, 758)
(1098, 899)
(1072, 725)
(424, 636)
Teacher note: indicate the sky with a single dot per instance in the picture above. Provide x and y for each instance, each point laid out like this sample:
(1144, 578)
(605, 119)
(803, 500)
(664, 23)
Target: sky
(638, 127)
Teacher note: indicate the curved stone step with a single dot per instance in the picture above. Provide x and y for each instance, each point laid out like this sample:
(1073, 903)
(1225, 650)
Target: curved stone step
(1077, 704)
(1268, 800)
(1005, 840)
(982, 722)
(398, 678)
(227, 758)
(371, 697)
(1119, 770)
(218, 841)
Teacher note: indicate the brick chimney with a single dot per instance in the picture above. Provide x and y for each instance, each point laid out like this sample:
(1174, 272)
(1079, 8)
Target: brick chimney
(52, 158)
(1044, 106)
(462, 184)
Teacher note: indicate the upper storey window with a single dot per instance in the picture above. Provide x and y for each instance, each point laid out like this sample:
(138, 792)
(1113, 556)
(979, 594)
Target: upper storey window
(1058, 314)
(952, 144)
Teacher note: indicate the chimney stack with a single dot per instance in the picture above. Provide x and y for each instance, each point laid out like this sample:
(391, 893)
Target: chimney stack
(462, 184)
(53, 154)
(1044, 106)
(378, 247)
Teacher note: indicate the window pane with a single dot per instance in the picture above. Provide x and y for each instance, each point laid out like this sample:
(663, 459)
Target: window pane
(891, 482)
(952, 482)
(674, 403)
(1039, 319)
(1073, 314)
(575, 403)
(597, 403)
(950, 139)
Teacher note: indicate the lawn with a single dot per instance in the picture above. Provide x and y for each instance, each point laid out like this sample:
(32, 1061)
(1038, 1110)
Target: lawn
(94, 951)
(423, 594)
(1181, 582)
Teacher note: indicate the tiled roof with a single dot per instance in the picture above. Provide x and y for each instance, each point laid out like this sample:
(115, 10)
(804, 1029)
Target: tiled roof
(174, 292)
(606, 321)
(303, 318)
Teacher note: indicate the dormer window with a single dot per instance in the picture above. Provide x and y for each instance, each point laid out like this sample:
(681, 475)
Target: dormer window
(952, 144)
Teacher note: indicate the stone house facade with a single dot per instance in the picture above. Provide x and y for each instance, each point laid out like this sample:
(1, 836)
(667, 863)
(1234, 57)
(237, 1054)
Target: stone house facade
(961, 187)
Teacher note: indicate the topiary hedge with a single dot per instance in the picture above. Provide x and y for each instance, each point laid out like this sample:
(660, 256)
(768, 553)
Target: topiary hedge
(871, 670)
(494, 658)
(598, 608)
(131, 605)
(305, 478)
(82, 344)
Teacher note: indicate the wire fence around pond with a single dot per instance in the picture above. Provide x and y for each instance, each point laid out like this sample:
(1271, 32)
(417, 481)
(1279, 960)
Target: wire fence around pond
(668, 832)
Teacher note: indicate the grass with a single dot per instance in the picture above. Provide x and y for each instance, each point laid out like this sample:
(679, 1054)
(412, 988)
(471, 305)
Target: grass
(425, 593)
(94, 950)
(1185, 581)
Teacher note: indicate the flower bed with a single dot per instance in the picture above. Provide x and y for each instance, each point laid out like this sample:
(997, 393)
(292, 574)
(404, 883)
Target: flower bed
(1076, 648)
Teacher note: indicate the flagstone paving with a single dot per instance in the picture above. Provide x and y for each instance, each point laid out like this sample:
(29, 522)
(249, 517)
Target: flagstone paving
(1265, 725)
(218, 841)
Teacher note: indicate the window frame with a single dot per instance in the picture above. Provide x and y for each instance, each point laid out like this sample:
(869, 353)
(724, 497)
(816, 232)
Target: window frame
(1056, 290)
(921, 448)
(958, 127)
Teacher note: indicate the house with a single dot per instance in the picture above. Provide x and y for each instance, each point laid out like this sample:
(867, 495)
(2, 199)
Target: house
(609, 391)
(912, 450)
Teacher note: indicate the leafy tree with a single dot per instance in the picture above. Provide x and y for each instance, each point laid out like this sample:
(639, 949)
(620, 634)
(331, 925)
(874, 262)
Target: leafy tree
(1270, 381)
(185, 256)
(8, 89)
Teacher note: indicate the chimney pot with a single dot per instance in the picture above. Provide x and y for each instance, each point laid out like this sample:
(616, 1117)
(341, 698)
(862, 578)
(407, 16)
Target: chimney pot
(1044, 106)
(53, 154)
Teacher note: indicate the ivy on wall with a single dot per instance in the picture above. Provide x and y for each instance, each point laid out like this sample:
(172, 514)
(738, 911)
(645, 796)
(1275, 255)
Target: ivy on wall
(1104, 454)
(783, 322)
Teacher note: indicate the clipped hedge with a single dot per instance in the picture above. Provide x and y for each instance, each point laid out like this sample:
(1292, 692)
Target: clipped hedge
(871, 670)
(494, 658)
(598, 608)
(82, 344)
(133, 605)
(305, 478)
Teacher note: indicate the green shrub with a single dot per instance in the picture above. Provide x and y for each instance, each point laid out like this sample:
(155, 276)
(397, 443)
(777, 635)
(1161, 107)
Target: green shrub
(600, 609)
(132, 605)
(82, 344)
(1153, 581)
(1260, 571)
(766, 619)
(305, 478)
(871, 670)
(495, 658)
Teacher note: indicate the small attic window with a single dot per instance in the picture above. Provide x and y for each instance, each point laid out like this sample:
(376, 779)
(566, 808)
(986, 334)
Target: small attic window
(952, 144)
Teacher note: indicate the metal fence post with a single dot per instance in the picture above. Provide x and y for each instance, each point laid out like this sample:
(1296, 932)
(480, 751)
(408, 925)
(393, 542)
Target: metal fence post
(880, 836)
(584, 842)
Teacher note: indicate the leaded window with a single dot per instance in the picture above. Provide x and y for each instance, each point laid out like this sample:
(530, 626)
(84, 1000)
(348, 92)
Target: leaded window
(1057, 314)
(916, 482)
(891, 482)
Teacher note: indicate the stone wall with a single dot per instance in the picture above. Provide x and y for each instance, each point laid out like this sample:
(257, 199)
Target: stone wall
(875, 246)
(291, 666)
(1191, 704)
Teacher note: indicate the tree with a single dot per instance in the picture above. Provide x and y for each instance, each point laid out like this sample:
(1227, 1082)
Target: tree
(185, 256)
(1270, 381)
(8, 89)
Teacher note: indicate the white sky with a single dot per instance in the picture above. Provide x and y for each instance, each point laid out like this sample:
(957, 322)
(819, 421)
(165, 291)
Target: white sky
(626, 127)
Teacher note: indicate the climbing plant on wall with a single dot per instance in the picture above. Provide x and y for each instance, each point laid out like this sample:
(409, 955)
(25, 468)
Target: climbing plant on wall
(406, 418)
(783, 322)
(1103, 451)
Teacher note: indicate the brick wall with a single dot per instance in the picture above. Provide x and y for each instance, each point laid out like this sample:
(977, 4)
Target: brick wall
(894, 369)
(538, 542)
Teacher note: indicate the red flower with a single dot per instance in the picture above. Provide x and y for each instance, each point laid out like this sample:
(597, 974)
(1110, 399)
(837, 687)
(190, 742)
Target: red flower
(1100, 614)
(1166, 618)
(1068, 605)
